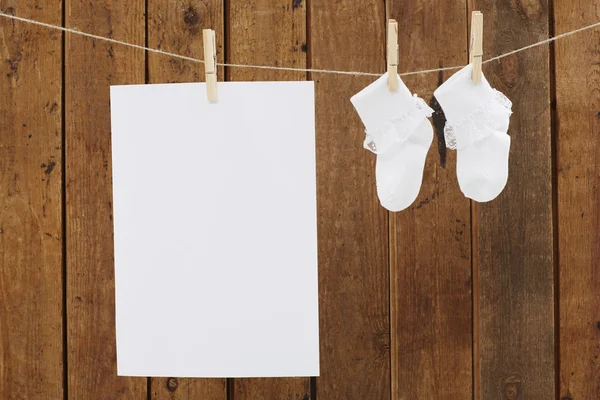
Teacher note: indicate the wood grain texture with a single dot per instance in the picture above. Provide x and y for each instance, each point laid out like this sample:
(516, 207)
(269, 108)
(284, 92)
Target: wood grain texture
(188, 389)
(272, 389)
(515, 231)
(267, 32)
(90, 67)
(430, 243)
(176, 26)
(352, 227)
(31, 234)
(577, 125)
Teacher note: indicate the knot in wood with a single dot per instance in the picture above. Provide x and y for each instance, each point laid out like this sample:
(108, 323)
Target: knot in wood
(172, 384)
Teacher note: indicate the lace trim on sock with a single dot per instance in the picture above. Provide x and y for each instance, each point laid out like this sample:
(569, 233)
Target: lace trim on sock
(397, 129)
(476, 125)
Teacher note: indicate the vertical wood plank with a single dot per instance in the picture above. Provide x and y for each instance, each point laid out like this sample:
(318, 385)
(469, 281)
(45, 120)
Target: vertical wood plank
(176, 26)
(272, 388)
(268, 32)
(430, 246)
(353, 228)
(31, 234)
(91, 66)
(515, 232)
(578, 123)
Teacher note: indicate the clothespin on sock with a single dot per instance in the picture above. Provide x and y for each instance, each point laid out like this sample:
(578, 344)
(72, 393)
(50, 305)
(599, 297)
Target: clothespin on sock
(210, 63)
(476, 51)
(392, 55)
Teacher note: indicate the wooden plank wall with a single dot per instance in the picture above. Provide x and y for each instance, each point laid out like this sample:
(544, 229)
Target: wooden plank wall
(577, 126)
(514, 233)
(353, 229)
(430, 243)
(31, 220)
(90, 67)
(447, 300)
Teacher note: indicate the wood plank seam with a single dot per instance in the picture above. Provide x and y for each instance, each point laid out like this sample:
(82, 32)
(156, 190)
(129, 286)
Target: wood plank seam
(65, 317)
(555, 205)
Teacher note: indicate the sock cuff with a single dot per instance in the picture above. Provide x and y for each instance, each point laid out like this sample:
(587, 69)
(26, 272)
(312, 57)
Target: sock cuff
(389, 117)
(376, 103)
(459, 95)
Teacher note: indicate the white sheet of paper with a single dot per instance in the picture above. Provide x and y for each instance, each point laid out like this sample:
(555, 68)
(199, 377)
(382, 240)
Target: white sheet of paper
(215, 230)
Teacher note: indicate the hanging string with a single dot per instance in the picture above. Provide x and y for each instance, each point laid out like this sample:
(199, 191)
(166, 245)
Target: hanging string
(312, 70)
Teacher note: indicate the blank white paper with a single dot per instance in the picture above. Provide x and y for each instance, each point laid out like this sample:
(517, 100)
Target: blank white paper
(215, 230)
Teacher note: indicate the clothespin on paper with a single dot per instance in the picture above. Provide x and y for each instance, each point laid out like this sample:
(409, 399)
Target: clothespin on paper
(392, 55)
(476, 51)
(210, 63)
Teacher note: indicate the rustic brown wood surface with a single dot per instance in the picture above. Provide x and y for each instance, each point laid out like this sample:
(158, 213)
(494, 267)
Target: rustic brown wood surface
(577, 126)
(515, 231)
(397, 290)
(430, 244)
(271, 388)
(176, 27)
(267, 32)
(353, 228)
(91, 66)
(31, 234)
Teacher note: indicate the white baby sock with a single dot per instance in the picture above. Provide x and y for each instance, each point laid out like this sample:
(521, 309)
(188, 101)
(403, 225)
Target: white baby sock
(477, 123)
(399, 133)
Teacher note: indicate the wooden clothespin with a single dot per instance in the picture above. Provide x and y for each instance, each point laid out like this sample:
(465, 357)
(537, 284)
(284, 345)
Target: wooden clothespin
(392, 55)
(210, 63)
(476, 51)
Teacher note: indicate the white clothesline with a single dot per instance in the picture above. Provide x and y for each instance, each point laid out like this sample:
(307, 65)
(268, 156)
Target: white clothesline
(267, 67)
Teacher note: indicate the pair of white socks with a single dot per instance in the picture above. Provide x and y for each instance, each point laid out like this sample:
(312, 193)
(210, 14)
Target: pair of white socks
(399, 132)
